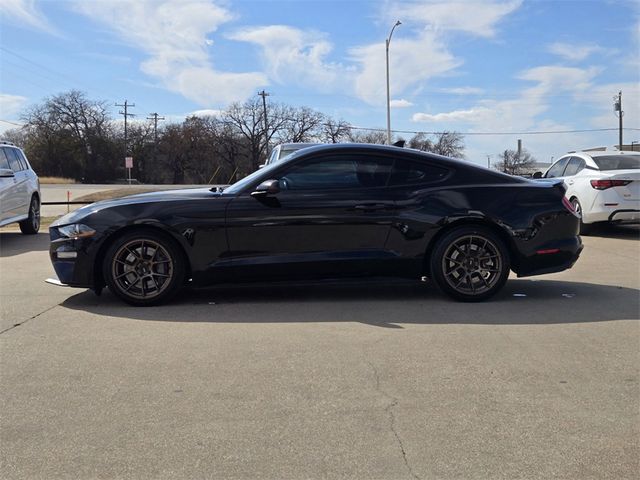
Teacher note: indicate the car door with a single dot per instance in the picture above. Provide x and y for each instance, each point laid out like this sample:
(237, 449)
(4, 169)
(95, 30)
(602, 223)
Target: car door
(7, 186)
(574, 166)
(18, 189)
(331, 217)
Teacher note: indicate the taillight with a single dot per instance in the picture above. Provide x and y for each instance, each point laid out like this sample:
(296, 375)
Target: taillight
(604, 184)
(568, 205)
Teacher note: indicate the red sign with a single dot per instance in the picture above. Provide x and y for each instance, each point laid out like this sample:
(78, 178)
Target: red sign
(128, 162)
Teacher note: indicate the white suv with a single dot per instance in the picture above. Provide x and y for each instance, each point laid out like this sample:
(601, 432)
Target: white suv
(603, 186)
(19, 190)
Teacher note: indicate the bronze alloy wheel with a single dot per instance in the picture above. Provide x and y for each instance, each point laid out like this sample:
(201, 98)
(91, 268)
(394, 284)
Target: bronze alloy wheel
(472, 265)
(142, 269)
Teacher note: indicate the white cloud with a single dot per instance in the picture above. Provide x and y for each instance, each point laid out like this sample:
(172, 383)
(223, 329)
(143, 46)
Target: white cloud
(463, 90)
(207, 112)
(419, 51)
(400, 103)
(11, 105)
(471, 17)
(412, 61)
(175, 36)
(25, 13)
(290, 54)
(472, 115)
(574, 53)
(10, 108)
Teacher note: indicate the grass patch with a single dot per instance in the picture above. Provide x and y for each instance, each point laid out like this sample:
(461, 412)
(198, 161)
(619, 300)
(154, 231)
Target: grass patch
(55, 180)
(110, 194)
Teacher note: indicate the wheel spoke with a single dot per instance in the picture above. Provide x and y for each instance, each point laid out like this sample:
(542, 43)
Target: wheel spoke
(135, 268)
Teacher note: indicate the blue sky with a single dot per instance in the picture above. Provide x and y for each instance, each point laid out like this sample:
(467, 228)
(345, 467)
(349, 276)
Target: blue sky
(471, 66)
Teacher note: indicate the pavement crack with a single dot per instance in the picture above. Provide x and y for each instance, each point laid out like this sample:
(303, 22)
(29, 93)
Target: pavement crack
(30, 318)
(393, 401)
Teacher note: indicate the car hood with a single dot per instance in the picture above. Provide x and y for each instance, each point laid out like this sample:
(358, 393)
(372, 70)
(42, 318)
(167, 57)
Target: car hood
(140, 198)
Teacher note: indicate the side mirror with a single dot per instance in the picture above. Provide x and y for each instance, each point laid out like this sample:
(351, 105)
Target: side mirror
(267, 187)
(6, 173)
(537, 175)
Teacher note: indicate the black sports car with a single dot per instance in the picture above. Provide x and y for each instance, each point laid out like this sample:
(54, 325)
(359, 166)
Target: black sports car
(326, 211)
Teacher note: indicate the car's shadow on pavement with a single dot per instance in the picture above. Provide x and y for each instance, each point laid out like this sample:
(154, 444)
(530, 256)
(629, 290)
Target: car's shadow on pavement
(16, 243)
(382, 304)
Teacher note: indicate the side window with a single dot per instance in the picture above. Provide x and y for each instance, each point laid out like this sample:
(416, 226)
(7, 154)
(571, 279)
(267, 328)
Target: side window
(4, 162)
(23, 159)
(557, 168)
(274, 156)
(574, 166)
(406, 172)
(14, 161)
(337, 172)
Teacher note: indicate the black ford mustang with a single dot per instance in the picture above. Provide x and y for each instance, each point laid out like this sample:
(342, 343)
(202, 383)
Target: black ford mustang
(327, 211)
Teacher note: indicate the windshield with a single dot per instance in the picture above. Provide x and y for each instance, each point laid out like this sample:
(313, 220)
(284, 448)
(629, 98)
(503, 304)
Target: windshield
(618, 162)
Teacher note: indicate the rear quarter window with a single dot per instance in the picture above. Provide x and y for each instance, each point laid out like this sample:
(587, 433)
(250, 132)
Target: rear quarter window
(407, 172)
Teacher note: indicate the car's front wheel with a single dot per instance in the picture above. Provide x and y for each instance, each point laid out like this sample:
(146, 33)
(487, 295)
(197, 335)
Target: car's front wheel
(144, 268)
(470, 263)
(31, 224)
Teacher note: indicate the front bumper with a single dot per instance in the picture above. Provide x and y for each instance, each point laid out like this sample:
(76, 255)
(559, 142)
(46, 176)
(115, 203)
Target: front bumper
(72, 260)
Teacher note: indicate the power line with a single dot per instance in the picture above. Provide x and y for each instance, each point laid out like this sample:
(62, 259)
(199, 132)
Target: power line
(548, 132)
(12, 123)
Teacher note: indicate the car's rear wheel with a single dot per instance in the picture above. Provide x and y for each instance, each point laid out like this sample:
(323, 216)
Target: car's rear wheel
(585, 228)
(144, 268)
(31, 225)
(470, 263)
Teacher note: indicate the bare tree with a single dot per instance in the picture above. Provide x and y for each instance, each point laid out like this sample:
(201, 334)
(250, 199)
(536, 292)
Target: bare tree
(335, 131)
(515, 163)
(377, 137)
(449, 144)
(302, 125)
(420, 142)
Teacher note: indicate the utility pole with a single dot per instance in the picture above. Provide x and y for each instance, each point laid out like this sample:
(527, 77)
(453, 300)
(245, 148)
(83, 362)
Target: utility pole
(126, 105)
(488, 161)
(617, 107)
(155, 117)
(264, 96)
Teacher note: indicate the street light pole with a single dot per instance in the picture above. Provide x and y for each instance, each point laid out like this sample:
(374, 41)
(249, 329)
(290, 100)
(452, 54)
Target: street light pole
(387, 42)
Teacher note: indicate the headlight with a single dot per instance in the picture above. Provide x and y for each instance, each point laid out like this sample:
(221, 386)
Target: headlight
(76, 230)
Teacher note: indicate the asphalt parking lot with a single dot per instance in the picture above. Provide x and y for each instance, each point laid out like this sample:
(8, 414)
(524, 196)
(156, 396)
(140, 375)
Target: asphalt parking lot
(324, 380)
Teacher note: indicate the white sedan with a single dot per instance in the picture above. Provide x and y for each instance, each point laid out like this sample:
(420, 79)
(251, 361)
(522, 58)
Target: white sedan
(602, 186)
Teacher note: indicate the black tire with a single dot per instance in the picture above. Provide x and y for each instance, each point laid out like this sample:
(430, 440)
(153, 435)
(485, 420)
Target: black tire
(144, 267)
(31, 225)
(470, 263)
(585, 228)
